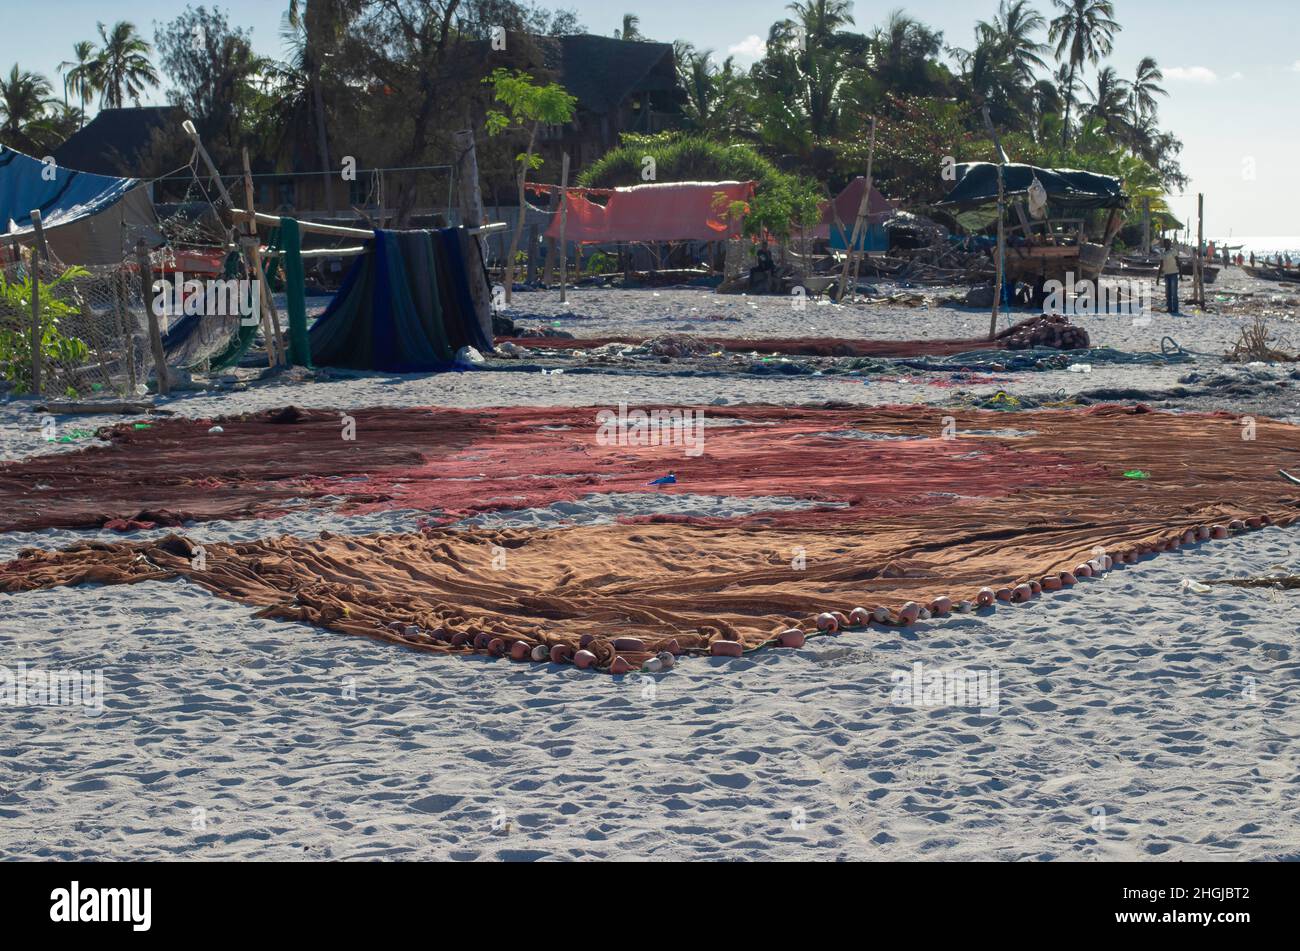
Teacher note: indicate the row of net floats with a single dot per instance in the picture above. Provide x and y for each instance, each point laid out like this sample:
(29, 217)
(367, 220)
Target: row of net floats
(624, 650)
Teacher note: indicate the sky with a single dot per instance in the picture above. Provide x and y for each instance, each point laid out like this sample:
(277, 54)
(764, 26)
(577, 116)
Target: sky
(1233, 76)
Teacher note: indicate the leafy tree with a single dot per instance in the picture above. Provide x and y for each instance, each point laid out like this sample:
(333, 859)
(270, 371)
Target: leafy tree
(527, 107)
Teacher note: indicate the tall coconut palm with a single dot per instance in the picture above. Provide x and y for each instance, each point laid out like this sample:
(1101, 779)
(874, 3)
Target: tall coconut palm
(1084, 32)
(122, 67)
(313, 30)
(79, 75)
(24, 97)
(901, 51)
(1013, 30)
(1144, 89)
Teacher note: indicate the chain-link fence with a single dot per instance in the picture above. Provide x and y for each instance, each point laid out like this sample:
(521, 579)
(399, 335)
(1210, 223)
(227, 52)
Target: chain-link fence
(89, 325)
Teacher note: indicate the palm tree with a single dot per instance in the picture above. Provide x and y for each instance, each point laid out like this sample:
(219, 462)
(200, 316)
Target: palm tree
(901, 51)
(1144, 89)
(1013, 30)
(24, 97)
(312, 31)
(821, 19)
(1085, 30)
(631, 28)
(122, 68)
(79, 75)
(1110, 101)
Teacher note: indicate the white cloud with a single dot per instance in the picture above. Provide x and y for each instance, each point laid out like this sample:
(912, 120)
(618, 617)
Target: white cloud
(1191, 74)
(1235, 76)
(1295, 67)
(751, 48)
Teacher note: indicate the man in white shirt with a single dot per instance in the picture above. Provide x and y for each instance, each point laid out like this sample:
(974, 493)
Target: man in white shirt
(1169, 274)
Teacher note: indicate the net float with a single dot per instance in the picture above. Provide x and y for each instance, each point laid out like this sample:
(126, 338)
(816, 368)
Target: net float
(1021, 593)
(825, 622)
(584, 659)
(560, 653)
(840, 619)
(481, 640)
(1219, 531)
(859, 617)
(652, 665)
(1083, 571)
(1202, 532)
(791, 638)
(459, 638)
(1254, 522)
(1236, 525)
(726, 648)
(985, 597)
(1003, 594)
(586, 639)
(672, 647)
(1051, 583)
(519, 650)
(940, 606)
(620, 665)
(395, 626)
(1189, 537)
(666, 659)
(925, 615)
(880, 614)
(496, 647)
(412, 630)
(1036, 587)
(1068, 579)
(540, 654)
(909, 612)
(1107, 562)
(633, 645)
(965, 607)
(1129, 557)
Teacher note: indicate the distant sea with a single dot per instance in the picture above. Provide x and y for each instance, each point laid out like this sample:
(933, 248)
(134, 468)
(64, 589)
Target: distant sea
(1264, 247)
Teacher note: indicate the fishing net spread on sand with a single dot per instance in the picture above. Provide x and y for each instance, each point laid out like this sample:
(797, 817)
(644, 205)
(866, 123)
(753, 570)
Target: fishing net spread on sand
(909, 505)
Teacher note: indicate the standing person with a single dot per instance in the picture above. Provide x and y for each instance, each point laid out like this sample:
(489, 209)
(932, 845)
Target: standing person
(1169, 274)
(1252, 258)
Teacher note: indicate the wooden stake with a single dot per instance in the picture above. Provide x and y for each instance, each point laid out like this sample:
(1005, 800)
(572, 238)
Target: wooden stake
(155, 336)
(564, 215)
(859, 223)
(1198, 274)
(1002, 255)
(270, 319)
(469, 194)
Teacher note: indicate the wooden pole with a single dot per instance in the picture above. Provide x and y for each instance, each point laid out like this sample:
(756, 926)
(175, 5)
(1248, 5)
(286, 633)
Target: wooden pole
(469, 193)
(1002, 255)
(188, 126)
(37, 332)
(532, 253)
(155, 336)
(270, 319)
(859, 223)
(1198, 275)
(564, 215)
(1146, 226)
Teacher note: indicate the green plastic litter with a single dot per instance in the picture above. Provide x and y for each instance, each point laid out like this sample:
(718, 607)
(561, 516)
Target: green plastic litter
(142, 426)
(1137, 474)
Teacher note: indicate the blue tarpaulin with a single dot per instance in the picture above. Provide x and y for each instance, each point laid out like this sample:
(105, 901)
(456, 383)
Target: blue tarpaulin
(88, 219)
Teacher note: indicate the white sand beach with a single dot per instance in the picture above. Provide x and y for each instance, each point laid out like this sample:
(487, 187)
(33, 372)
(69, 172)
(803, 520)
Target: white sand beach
(1133, 719)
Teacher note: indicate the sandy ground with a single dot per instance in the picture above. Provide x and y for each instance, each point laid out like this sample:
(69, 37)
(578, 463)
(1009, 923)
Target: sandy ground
(1133, 719)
